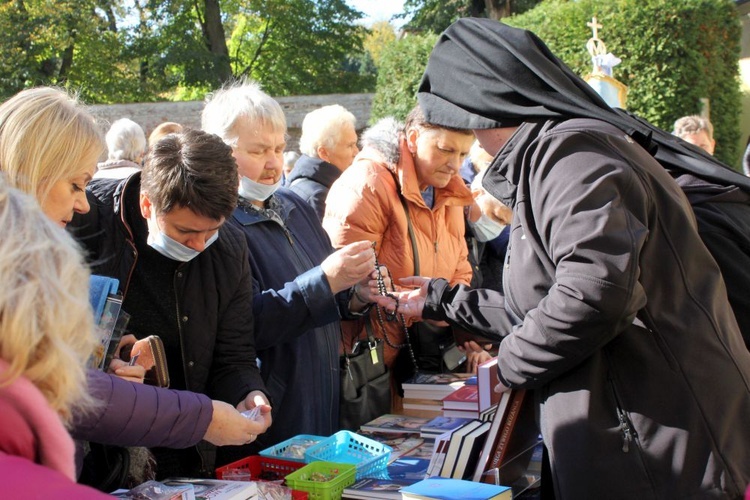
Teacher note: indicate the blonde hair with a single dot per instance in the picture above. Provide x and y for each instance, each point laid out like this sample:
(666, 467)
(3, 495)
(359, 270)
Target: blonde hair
(45, 136)
(161, 130)
(46, 326)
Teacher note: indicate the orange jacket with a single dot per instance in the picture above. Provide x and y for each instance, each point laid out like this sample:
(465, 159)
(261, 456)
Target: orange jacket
(364, 204)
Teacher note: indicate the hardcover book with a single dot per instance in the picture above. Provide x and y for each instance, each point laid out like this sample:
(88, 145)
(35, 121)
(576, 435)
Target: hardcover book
(468, 454)
(463, 398)
(410, 469)
(454, 447)
(487, 379)
(439, 450)
(400, 444)
(434, 386)
(492, 435)
(376, 488)
(471, 415)
(517, 432)
(438, 488)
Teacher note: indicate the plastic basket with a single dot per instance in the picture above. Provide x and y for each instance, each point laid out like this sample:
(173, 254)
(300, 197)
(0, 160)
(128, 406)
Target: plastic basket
(293, 449)
(302, 480)
(369, 456)
(262, 468)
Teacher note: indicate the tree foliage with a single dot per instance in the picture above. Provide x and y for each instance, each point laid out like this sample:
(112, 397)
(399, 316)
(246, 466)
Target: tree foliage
(436, 15)
(399, 73)
(685, 50)
(143, 50)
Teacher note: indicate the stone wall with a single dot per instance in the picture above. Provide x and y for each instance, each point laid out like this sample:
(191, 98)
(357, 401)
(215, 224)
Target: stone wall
(149, 115)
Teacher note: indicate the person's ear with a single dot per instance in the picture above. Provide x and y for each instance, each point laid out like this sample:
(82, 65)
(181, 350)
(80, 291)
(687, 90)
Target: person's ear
(323, 153)
(411, 139)
(146, 206)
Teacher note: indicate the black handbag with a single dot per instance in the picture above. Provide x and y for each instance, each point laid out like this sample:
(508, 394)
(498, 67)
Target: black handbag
(365, 382)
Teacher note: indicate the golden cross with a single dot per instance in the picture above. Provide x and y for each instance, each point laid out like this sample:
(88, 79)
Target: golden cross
(594, 25)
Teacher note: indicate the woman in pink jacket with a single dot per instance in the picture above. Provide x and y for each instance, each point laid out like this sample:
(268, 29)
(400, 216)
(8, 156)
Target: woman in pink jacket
(46, 337)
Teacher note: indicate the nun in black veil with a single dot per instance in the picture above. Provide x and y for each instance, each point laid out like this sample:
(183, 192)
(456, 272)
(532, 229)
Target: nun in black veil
(613, 310)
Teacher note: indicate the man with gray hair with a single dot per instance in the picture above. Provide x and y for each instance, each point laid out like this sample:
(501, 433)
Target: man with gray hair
(328, 145)
(301, 287)
(696, 130)
(126, 143)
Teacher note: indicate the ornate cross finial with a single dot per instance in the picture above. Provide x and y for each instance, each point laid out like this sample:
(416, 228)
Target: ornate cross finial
(595, 46)
(595, 26)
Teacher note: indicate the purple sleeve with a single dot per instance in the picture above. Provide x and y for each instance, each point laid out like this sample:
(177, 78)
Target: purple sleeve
(130, 414)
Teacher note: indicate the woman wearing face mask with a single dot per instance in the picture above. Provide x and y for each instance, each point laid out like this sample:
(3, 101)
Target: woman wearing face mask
(302, 288)
(410, 168)
(49, 147)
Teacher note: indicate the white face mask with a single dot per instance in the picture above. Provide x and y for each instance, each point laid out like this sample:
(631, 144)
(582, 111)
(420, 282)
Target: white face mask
(170, 248)
(485, 228)
(255, 191)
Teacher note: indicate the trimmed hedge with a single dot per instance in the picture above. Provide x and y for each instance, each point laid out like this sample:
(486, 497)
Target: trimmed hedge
(674, 52)
(402, 63)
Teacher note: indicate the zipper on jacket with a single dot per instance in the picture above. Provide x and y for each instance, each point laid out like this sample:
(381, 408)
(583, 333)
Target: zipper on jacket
(628, 433)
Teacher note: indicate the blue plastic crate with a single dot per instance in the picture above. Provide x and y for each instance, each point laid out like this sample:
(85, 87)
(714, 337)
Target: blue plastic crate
(370, 456)
(294, 449)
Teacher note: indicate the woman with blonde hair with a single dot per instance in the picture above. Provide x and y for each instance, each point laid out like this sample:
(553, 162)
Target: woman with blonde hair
(43, 350)
(49, 146)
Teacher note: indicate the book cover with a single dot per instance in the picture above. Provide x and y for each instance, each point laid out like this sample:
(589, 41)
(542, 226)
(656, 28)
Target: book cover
(434, 386)
(463, 398)
(518, 432)
(409, 469)
(471, 448)
(487, 379)
(376, 488)
(492, 436)
(400, 443)
(424, 450)
(439, 425)
(217, 489)
(391, 423)
(456, 441)
(438, 488)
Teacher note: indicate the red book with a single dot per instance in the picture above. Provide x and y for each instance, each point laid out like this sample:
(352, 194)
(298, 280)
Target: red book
(464, 398)
(487, 379)
(518, 431)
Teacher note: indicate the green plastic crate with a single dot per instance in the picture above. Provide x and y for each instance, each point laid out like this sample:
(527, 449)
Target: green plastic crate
(322, 490)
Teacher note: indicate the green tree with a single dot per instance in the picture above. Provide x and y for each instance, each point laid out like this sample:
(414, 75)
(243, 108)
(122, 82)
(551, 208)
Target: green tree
(436, 15)
(141, 50)
(685, 50)
(399, 73)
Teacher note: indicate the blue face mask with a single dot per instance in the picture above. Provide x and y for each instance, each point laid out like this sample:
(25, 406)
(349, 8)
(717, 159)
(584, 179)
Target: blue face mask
(255, 191)
(170, 248)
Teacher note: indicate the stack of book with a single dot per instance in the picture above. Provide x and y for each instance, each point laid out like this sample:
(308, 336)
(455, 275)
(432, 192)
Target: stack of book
(424, 393)
(462, 403)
